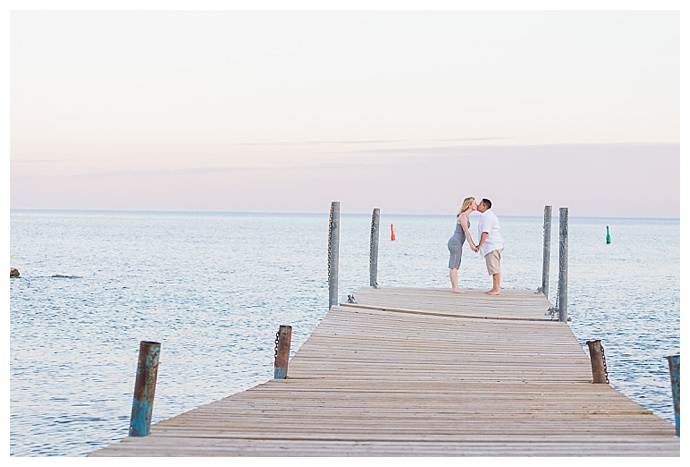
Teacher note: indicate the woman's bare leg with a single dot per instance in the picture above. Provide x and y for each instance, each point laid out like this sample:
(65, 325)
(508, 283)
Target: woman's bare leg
(454, 280)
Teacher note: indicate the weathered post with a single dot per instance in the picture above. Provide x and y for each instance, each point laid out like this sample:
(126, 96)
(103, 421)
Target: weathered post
(563, 266)
(333, 253)
(374, 248)
(674, 367)
(282, 352)
(596, 355)
(546, 261)
(144, 388)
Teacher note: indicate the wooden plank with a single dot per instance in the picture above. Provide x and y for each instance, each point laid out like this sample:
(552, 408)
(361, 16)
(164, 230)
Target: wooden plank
(423, 372)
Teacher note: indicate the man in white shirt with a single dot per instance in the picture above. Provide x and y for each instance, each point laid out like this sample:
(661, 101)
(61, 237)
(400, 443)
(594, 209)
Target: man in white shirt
(490, 243)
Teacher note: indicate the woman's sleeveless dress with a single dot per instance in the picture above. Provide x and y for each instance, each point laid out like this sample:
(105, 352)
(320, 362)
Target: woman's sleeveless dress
(455, 244)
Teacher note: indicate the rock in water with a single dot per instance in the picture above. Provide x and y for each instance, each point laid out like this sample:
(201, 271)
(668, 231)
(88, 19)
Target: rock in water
(14, 272)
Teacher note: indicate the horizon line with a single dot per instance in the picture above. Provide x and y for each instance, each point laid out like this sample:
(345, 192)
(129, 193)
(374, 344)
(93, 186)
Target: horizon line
(325, 212)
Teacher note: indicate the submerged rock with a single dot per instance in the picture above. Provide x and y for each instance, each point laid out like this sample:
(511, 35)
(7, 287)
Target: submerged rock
(14, 272)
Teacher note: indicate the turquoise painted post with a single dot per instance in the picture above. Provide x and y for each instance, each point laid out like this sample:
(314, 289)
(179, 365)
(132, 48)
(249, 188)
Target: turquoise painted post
(282, 352)
(608, 235)
(674, 367)
(144, 388)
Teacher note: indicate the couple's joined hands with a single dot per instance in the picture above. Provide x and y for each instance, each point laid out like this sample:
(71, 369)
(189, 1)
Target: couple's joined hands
(475, 248)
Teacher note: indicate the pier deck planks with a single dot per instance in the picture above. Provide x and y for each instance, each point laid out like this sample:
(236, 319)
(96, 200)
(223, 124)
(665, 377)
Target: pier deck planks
(423, 372)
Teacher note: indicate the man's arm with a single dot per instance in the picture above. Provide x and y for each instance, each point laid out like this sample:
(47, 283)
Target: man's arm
(481, 240)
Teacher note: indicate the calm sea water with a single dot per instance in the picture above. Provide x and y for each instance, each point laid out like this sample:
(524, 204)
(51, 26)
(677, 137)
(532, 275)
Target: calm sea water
(213, 288)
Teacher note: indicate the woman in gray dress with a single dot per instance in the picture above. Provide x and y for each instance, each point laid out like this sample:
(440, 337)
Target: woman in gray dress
(455, 243)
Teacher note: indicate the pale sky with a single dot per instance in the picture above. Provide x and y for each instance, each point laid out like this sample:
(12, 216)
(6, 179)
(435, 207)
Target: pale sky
(407, 111)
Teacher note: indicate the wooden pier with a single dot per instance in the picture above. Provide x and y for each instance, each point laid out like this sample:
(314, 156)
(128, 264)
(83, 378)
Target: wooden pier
(423, 372)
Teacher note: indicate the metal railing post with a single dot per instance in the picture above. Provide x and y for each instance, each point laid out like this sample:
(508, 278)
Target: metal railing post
(563, 266)
(374, 248)
(546, 261)
(333, 253)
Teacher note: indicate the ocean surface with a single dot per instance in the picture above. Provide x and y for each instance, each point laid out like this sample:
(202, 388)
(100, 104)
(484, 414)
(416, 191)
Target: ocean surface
(213, 288)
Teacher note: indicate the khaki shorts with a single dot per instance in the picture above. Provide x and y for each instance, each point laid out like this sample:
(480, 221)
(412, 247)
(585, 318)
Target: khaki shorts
(493, 262)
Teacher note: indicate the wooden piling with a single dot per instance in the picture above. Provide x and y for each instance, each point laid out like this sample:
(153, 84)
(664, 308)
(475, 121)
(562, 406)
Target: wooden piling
(144, 388)
(282, 352)
(596, 355)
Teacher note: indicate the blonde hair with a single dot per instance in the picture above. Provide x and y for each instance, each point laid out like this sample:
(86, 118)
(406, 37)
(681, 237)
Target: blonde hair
(465, 205)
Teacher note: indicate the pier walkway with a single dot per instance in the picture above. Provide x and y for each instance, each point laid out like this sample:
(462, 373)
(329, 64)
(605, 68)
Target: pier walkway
(423, 372)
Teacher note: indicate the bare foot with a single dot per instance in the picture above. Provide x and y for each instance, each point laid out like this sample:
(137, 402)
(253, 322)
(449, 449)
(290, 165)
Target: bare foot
(458, 291)
(493, 292)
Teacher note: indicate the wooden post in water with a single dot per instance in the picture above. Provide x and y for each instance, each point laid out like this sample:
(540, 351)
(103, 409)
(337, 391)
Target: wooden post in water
(563, 266)
(144, 388)
(546, 261)
(333, 253)
(674, 367)
(596, 355)
(282, 352)
(374, 248)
